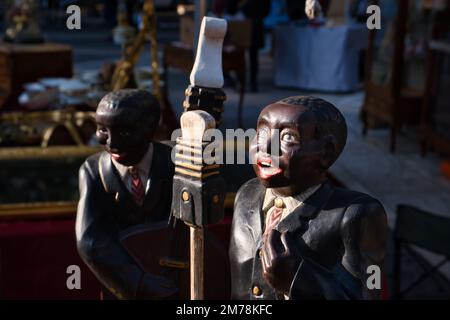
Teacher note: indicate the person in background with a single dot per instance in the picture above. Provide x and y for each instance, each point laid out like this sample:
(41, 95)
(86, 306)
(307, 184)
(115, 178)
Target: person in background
(111, 7)
(256, 11)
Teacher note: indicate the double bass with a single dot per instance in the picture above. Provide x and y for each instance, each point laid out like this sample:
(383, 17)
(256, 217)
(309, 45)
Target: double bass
(186, 250)
(163, 249)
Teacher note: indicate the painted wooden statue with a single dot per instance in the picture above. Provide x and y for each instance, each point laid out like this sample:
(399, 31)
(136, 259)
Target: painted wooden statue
(295, 235)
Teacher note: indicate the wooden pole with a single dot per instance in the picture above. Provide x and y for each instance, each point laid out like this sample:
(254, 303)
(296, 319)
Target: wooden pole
(207, 73)
(197, 263)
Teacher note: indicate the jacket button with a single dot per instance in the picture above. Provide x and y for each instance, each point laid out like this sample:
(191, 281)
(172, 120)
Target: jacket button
(256, 291)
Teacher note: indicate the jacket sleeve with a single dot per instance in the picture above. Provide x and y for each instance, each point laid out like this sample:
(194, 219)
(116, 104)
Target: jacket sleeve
(98, 239)
(363, 233)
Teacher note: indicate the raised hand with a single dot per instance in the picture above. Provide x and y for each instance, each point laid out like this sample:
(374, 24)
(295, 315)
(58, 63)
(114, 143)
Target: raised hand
(280, 260)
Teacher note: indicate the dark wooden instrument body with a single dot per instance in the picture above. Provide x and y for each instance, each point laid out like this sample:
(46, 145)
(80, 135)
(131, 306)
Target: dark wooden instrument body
(161, 249)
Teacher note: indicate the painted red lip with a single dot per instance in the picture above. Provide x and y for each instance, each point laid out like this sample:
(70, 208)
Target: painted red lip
(118, 156)
(265, 168)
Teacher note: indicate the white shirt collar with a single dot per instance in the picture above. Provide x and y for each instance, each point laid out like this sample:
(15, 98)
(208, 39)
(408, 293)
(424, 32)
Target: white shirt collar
(291, 202)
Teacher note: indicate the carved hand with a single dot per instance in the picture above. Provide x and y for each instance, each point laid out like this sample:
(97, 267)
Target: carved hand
(280, 260)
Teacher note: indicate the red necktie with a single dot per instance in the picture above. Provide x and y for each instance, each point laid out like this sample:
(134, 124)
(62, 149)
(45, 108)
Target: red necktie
(137, 188)
(273, 220)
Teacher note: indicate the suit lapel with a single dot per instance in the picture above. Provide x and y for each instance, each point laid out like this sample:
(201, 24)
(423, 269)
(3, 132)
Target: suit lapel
(257, 219)
(158, 174)
(297, 221)
(111, 180)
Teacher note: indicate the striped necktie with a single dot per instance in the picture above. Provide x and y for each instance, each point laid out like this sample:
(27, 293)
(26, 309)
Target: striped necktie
(137, 188)
(274, 217)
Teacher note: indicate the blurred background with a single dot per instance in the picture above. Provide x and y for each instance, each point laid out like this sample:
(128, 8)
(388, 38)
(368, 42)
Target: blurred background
(392, 85)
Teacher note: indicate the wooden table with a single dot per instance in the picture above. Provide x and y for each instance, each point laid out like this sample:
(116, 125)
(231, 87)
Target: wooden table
(21, 63)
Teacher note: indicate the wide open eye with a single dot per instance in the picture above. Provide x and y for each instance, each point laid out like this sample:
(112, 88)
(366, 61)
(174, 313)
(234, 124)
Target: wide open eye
(289, 137)
(102, 130)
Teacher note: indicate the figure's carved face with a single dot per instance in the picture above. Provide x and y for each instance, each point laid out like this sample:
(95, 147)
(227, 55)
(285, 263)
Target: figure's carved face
(299, 155)
(124, 134)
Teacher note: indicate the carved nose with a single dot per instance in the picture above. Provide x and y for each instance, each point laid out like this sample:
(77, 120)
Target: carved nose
(273, 144)
(263, 146)
(111, 142)
(268, 145)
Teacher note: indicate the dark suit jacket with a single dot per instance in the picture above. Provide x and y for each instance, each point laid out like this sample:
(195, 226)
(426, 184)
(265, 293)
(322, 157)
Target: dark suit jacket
(339, 232)
(106, 208)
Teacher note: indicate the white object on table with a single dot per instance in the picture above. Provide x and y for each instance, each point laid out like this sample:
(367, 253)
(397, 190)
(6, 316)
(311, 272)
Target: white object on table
(313, 9)
(207, 69)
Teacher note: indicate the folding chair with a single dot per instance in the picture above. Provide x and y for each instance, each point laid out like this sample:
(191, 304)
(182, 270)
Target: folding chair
(427, 231)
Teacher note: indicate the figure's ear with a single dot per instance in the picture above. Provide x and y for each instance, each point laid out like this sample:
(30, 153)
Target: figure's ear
(328, 152)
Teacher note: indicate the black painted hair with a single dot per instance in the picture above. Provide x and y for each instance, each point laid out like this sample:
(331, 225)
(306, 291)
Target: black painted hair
(143, 102)
(329, 120)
